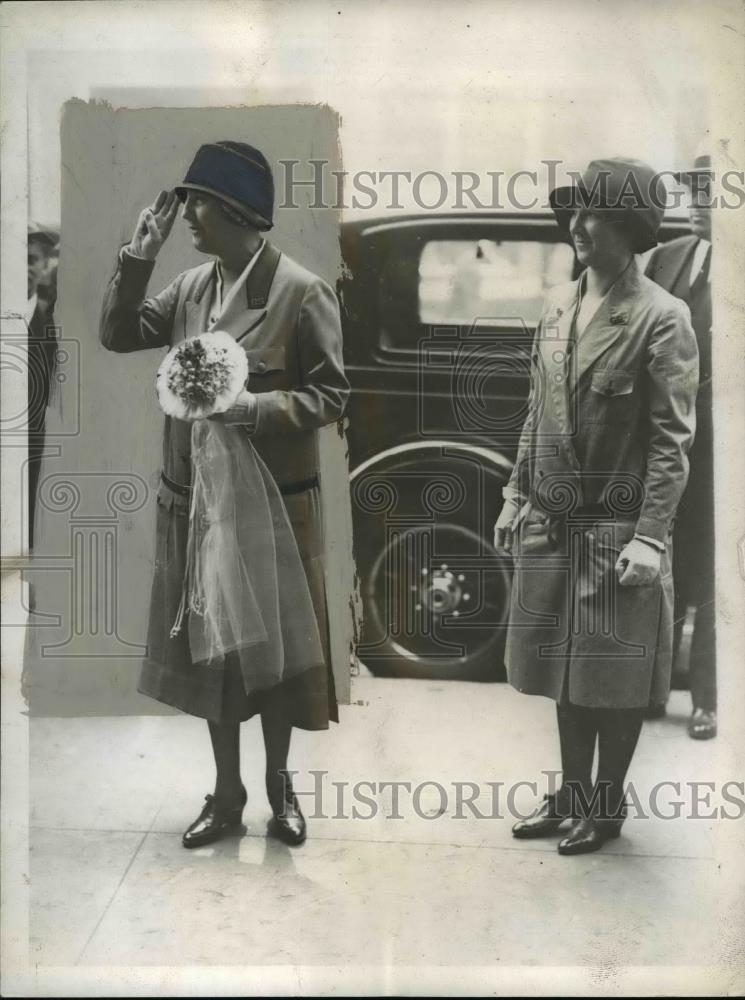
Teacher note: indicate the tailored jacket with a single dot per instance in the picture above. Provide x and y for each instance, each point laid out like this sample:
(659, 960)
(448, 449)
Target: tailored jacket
(287, 320)
(670, 266)
(288, 324)
(602, 456)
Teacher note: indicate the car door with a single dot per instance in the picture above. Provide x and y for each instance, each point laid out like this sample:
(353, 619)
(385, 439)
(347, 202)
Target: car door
(439, 314)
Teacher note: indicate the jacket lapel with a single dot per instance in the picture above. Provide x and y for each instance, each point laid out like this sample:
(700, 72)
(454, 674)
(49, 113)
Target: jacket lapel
(606, 326)
(553, 346)
(247, 309)
(197, 304)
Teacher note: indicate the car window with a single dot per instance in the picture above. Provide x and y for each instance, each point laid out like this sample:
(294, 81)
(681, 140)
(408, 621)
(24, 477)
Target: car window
(464, 281)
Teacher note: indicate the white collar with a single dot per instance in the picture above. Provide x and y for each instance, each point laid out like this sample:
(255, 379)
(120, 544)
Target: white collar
(699, 256)
(221, 304)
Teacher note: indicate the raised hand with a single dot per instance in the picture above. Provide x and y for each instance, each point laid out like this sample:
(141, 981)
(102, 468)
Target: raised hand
(154, 225)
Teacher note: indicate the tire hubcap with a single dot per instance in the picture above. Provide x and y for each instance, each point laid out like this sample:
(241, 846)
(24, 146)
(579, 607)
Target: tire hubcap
(442, 591)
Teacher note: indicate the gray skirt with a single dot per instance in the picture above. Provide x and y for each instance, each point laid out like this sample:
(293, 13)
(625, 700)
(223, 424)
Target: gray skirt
(218, 693)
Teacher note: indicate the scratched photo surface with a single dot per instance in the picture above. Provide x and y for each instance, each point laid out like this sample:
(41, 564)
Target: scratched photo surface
(496, 429)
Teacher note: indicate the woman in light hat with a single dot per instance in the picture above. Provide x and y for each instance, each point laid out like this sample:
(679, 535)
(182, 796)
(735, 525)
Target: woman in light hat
(589, 509)
(287, 320)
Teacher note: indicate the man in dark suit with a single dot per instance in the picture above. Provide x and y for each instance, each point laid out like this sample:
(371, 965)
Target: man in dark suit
(42, 351)
(682, 267)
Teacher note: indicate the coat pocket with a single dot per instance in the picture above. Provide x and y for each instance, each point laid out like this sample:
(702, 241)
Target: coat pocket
(297, 506)
(612, 383)
(265, 360)
(533, 536)
(168, 500)
(614, 535)
(612, 398)
(611, 539)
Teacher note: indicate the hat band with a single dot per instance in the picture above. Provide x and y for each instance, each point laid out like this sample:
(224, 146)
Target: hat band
(243, 156)
(241, 214)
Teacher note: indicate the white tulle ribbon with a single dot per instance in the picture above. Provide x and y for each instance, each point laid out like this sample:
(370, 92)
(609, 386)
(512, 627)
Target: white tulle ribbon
(218, 592)
(244, 586)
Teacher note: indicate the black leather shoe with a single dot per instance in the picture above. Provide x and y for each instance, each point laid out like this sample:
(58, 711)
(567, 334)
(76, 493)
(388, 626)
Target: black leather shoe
(588, 835)
(702, 725)
(546, 820)
(288, 825)
(213, 821)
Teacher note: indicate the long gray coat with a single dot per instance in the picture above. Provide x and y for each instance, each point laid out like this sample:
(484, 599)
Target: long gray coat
(287, 319)
(602, 456)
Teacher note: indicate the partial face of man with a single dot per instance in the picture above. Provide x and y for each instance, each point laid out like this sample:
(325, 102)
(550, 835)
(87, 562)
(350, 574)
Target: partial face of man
(37, 263)
(699, 210)
(600, 242)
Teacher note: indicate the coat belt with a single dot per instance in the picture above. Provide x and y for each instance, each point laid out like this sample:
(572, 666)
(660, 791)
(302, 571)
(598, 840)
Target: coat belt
(556, 523)
(287, 490)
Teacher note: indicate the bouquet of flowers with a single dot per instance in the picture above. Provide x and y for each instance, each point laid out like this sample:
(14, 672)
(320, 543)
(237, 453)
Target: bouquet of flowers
(201, 376)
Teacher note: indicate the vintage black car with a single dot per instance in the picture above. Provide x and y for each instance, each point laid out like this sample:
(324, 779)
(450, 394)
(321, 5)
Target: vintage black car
(439, 311)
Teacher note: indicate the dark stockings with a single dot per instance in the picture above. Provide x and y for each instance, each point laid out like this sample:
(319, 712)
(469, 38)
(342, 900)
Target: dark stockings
(618, 734)
(577, 734)
(617, 731)
(277, 732)
(226, 747)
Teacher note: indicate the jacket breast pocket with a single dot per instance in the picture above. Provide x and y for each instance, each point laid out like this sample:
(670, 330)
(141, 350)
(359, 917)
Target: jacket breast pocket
(266, 367)
(612, 397)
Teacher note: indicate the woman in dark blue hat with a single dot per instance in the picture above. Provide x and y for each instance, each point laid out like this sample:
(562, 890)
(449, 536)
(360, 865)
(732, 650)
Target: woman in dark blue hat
(588, 512)
(287, 320)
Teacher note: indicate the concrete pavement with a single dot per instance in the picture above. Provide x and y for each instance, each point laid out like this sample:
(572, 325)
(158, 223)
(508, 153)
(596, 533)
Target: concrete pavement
(112, 886)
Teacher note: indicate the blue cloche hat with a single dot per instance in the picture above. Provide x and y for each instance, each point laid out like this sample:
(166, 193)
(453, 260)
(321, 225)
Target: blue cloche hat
(236, 173)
